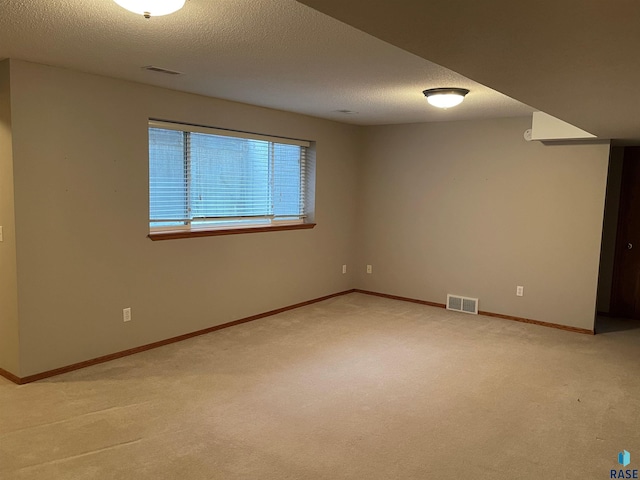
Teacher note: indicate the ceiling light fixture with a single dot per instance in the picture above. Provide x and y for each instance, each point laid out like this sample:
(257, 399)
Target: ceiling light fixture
(445, 97)
(151, 8)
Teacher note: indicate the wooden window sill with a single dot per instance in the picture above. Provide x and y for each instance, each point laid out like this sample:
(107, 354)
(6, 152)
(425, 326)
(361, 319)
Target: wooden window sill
(169, 235)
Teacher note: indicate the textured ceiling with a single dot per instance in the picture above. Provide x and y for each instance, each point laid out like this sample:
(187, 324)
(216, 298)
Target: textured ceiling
(574, 59)
(273, 53)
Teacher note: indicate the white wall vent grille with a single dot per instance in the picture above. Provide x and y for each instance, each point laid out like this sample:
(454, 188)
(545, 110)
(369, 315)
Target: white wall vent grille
(462, 304)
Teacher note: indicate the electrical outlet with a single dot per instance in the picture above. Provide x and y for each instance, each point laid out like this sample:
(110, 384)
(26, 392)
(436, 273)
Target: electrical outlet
(519, 291)
(369, 269)
(344, 269)
(126, 314)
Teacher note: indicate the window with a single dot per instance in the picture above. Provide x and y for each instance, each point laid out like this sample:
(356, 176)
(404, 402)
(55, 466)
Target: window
(204, 179)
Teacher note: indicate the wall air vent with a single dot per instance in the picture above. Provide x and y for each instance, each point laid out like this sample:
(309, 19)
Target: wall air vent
(462, 304)
(152, 68)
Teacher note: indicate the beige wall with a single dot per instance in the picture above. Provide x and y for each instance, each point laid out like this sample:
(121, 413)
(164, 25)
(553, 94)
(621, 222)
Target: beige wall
(9, 333)
(462, 207)
(471, 208)
(81, 196)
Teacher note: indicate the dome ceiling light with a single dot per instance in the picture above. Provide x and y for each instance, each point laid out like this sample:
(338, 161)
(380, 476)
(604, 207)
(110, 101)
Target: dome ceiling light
(151, 8)
(445, 97)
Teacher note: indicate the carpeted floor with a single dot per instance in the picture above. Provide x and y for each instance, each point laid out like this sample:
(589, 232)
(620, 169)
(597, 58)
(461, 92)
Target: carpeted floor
(356, 387)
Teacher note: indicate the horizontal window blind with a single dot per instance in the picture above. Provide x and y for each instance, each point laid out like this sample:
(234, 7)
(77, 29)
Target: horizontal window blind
(212, 178)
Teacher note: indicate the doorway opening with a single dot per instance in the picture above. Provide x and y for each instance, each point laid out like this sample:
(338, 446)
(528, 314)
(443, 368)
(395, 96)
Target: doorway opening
(618, 297)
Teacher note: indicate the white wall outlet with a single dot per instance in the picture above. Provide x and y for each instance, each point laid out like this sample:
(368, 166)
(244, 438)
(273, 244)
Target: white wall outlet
(126, 314)
(369, 269)
(344, 269)
(519, 291)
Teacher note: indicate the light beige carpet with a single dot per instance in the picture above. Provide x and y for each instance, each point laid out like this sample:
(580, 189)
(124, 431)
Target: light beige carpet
(356, 387)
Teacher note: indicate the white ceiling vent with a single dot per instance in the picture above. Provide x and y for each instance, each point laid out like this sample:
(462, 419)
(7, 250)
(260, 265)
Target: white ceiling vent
(152, 68)
(462, 304)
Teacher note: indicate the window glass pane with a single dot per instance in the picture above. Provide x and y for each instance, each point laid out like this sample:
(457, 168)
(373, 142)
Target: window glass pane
(167, 188)
(230, 177)
(287, 199)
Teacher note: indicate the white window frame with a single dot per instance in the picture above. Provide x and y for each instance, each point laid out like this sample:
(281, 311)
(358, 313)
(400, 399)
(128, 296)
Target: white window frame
(217, 223)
